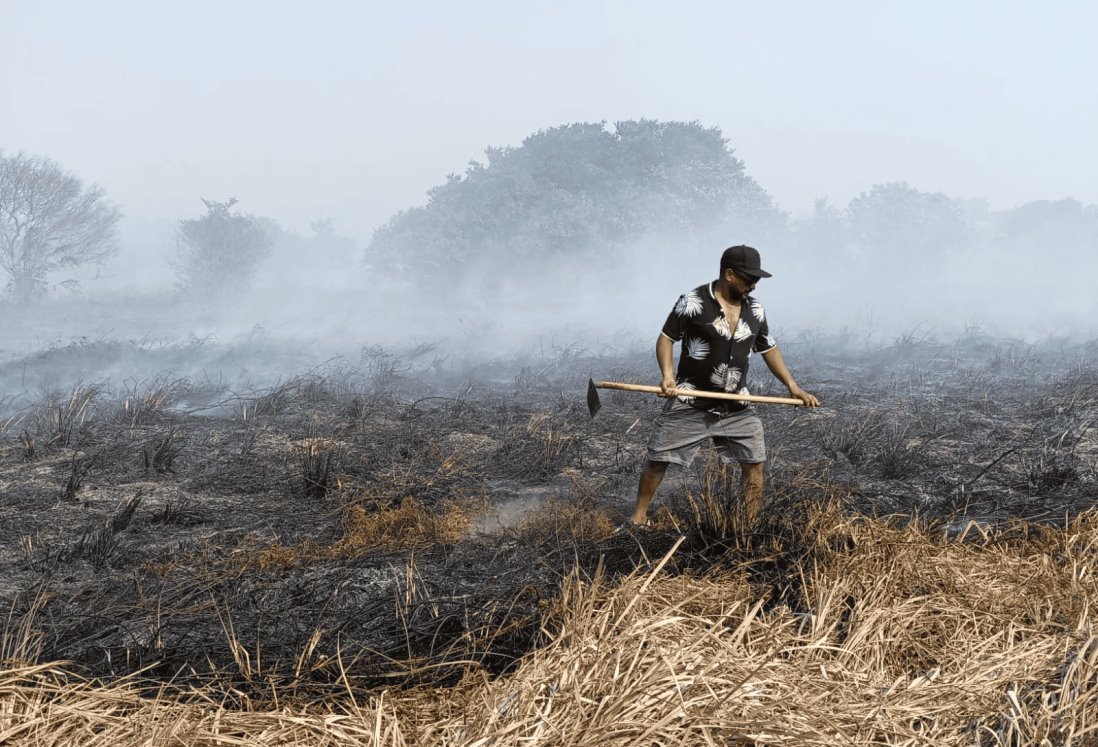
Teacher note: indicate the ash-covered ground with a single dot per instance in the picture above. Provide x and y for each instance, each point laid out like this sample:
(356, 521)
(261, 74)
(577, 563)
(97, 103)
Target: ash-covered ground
(403, 517)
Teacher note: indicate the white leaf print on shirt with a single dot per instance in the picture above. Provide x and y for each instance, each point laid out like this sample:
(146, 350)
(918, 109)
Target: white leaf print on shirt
(690, 304)
(682, 397)
(758, 310)
(697, 348)
(721, 325)
(743, 331)
(726, 377)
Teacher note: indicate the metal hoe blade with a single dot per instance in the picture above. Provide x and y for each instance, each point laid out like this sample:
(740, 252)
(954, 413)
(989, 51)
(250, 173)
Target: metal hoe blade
(593, 404)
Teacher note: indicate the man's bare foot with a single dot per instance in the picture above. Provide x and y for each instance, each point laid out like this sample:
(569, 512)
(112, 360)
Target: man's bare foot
(632, 526)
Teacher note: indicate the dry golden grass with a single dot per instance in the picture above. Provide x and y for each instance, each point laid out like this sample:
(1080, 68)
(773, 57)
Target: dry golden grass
(898, 637)
(411, 524)
(559, 518)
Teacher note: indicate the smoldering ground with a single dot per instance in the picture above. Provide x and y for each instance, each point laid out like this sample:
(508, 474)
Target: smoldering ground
(335, 530)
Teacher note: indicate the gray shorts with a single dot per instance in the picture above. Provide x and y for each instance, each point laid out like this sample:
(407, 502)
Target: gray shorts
(681, 429)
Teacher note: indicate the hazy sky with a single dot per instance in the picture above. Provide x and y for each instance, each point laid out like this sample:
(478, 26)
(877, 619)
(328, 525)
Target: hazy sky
(353, 110)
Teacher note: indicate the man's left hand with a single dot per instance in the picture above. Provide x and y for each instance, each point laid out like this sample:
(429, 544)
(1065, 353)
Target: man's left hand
(810, 400)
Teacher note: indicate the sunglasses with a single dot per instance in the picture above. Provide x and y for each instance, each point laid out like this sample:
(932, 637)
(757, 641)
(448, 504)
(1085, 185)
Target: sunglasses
(749, 279)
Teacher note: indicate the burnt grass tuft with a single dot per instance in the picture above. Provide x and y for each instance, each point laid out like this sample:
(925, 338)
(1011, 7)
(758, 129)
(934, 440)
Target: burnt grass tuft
(408, 529)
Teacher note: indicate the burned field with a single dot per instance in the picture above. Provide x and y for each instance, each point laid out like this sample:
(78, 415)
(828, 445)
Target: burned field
(445, 535)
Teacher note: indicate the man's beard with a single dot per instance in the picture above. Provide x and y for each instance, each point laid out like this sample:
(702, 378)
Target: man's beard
(734, 294)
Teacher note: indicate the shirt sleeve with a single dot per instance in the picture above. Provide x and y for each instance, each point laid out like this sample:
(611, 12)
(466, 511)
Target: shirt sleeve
(764, 341)
(675, 326)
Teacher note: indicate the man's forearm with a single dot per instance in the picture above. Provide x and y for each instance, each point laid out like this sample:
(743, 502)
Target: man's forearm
(665, 356)
(776, 363)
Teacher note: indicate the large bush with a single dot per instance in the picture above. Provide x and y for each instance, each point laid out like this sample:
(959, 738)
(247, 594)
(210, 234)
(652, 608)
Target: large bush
(570, 191)
(219, 253)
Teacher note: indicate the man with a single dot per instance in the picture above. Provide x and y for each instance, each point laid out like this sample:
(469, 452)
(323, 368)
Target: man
(720, 326)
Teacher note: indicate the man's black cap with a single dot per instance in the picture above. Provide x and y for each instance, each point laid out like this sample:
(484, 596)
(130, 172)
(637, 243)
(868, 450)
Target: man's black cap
(745, 259)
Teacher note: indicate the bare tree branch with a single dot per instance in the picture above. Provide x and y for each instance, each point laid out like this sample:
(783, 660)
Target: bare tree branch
(49, 220)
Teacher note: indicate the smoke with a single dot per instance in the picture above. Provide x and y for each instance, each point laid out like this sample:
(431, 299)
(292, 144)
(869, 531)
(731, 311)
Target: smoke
(896, 262)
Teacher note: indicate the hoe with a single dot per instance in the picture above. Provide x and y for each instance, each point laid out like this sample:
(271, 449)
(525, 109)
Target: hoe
(594, 405)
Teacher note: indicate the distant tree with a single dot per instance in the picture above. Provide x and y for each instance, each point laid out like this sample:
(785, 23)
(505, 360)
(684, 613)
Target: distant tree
(49, 220)
(1050, 223)
(825, 232)
(571, 191)
(322, 227)
(897, 227)
(1052, 239)
(219, 253)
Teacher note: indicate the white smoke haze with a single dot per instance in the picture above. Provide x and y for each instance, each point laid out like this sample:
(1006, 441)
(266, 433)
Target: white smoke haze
(316, 304)
(925, 226)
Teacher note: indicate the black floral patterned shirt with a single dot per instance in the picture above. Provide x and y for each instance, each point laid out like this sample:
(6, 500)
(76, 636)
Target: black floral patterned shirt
(715, 357)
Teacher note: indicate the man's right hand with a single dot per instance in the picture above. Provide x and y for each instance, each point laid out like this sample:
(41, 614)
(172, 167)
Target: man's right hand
(668, 387)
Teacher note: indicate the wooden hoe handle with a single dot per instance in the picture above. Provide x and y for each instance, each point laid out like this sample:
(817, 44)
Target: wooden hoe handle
(699, 393)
